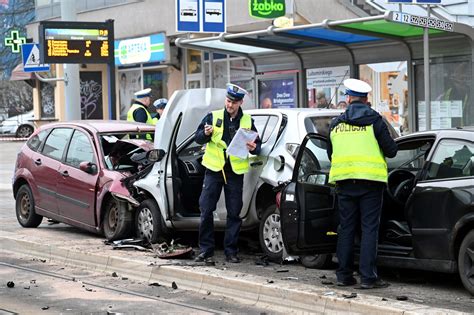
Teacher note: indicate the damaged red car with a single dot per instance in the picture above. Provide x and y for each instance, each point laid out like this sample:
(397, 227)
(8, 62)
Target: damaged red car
(68, 172)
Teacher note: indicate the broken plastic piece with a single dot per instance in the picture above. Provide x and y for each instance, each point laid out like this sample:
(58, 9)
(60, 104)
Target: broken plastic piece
(173, 250)
(10, 284)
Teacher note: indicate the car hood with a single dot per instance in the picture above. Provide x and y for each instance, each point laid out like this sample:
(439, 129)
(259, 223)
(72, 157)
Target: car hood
(21, 118)
(191, 105)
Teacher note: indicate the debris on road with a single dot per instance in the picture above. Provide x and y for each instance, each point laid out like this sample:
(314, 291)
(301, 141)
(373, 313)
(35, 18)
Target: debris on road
(282, 270)
(289, 278)
(402, 298)
(173, 250)
(154, 284)
(262, 261)
(327, 282)
(44, 308)
(349, 296)
(130, 243)
(174, 285)
(114, 274)
(10, 284)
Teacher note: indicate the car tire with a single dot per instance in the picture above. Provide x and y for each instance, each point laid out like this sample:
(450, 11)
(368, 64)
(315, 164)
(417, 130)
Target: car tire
(24, 131)
(271, 240)
(25, 208)
(320, 261)
(466, 262)
(117, 220)
(149, 224)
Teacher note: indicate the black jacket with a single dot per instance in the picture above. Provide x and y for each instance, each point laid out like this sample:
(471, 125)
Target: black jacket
(359, 114)
(229, 124)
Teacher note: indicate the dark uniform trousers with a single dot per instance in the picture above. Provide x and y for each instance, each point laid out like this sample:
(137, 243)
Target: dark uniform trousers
(359, 204)
(211, 192)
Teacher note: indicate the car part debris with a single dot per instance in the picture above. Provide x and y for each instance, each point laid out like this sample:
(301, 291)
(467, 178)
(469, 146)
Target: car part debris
(10, 284)
(173, 250)
(282, 270)
(289, 278)
(130, 243)
(402, 298)
(270, 281)
(114, 274)
(262, 261)
(154, 284)
(44, 308)
(349, 296)
(26, 288)
(329, 293)
(174, 285)
(327, 282)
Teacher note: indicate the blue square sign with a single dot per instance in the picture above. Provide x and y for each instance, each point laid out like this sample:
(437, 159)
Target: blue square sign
(30, 54)
(200, 16)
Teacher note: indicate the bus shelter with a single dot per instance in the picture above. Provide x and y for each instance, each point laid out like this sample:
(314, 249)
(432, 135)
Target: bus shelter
(318, 57)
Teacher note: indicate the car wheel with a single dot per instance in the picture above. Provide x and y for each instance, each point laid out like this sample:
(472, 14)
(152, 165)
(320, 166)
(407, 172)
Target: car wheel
(316, 261)
(24, 131)
(271, 240)
(466, 262)
(117, 220)
(149, 223)
(25, 208)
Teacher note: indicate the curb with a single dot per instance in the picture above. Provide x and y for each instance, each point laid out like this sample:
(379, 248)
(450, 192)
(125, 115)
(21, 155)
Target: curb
(278, 297)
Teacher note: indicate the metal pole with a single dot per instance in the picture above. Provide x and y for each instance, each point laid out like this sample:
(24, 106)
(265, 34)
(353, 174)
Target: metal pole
(211, 70)
(426, 66)
(111, 74)
(71, 71)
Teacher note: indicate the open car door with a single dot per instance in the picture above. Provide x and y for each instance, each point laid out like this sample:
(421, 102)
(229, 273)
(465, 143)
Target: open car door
(308, 202)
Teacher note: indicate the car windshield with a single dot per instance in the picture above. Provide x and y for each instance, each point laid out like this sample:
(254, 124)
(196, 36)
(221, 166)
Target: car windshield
(410, 156)
(117, 150)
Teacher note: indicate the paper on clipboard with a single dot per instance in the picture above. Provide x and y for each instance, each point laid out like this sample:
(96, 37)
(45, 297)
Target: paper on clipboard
(238, 145)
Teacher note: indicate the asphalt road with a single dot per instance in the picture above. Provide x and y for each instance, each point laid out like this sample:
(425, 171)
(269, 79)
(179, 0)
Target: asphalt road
(425, 288)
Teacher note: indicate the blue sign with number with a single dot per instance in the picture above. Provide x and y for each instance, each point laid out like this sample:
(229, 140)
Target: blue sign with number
(188, 16)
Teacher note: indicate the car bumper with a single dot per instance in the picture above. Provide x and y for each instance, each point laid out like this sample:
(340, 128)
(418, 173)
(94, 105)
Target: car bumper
(7, 129)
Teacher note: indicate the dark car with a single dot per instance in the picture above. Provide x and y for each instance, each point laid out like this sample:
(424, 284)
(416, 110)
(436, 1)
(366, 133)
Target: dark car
(427, 218)
(65, 172)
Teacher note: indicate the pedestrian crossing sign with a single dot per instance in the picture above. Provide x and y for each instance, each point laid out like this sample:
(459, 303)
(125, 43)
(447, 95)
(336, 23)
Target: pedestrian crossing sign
(31, 58)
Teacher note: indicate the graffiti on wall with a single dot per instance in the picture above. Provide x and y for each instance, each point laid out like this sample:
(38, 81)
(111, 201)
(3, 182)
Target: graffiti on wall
(91, 95)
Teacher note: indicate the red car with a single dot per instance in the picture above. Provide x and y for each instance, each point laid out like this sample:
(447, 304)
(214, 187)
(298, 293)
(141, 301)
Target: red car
(65, 172)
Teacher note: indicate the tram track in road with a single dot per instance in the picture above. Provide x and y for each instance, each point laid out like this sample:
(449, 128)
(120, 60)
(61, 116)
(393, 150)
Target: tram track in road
(91, 285)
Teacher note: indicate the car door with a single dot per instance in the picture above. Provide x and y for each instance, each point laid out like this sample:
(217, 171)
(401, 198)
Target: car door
(308, 202)
(441, 198)
(48, 165)
(77, 188)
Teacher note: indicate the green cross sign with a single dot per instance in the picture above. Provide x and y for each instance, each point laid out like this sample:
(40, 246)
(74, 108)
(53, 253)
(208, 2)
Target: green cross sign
(15, 41)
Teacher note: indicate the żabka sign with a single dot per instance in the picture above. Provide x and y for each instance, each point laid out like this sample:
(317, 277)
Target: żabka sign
(267, 9)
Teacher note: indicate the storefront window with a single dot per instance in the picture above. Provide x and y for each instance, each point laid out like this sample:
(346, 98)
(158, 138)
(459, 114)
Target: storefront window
(156, 80)
(389, 97)
(129, 82)
(451, 94)
(323, 86)
(194, 61)
(277, 92)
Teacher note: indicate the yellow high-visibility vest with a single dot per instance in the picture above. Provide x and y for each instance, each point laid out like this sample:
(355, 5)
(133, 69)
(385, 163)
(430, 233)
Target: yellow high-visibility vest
(356, 154)
(214, 157)
(136, 106)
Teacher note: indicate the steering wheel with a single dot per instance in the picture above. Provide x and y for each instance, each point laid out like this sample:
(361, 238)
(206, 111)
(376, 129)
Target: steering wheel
(400, 184)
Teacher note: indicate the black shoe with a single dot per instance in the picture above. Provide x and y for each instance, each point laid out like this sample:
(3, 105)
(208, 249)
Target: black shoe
(205, 258)
(232, 259)
(378, 284)
(347, 283)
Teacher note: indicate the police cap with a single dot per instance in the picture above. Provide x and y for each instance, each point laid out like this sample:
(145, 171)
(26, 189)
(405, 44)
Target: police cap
(235, 92)
(143, 93)
(356, 87)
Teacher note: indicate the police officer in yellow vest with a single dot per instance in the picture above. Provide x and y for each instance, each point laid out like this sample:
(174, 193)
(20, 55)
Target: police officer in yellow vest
(138, 111)
(359, 141)
(217, 130)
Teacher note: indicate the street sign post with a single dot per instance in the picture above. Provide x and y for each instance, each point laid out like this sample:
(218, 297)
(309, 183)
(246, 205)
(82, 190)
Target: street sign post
(30, 54)
(200, 16)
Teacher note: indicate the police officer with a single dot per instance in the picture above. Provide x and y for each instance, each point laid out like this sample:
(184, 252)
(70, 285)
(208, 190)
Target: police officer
(160, 105)
(217, 130)
(138, 111)
(359, 143)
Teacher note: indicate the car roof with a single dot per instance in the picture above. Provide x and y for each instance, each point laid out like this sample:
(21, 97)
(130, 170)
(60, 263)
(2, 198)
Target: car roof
(295, 111)
(104, 126)
(459, 132)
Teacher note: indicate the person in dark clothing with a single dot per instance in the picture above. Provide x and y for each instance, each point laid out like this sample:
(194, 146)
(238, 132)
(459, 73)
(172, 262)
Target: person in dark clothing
(358, 143)
(138, 111)
(217, 130)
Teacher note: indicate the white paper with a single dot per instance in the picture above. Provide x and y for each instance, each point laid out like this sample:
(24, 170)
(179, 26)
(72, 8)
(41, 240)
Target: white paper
(421, 109)
(435, 123)
(435, 109)
(422, 123)
(445, 109)
(445, 122)
(238, 145)
(456, 108)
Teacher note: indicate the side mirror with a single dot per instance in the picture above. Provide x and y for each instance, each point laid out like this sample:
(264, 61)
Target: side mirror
(155, 155)
(88, 167)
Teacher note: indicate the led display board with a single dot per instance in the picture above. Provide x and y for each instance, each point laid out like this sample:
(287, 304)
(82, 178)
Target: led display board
(76, 42)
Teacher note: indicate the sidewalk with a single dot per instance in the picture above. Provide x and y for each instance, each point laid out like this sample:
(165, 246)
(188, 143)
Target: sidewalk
(282, 288)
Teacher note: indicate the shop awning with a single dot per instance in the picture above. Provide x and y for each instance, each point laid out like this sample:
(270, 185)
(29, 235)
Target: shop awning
(19, 75)
(389, 27)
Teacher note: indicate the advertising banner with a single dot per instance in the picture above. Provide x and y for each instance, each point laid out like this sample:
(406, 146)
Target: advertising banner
(277, 93)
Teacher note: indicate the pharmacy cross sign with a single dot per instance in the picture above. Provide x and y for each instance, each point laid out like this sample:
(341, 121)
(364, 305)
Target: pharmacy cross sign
(15, 41)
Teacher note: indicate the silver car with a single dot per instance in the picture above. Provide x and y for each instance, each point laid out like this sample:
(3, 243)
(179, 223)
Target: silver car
(168, 195)
(21, 125)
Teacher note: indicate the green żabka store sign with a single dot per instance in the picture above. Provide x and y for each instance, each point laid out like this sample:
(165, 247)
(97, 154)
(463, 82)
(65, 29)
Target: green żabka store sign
(267, 9)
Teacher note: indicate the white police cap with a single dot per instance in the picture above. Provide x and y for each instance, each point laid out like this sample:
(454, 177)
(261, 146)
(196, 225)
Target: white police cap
(160, 103)
(143, 93)
(356, 87)
(235, 92)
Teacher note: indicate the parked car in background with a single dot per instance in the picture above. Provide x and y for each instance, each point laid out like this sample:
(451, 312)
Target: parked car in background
(66, 172)
(427, 218)
(21, 126)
